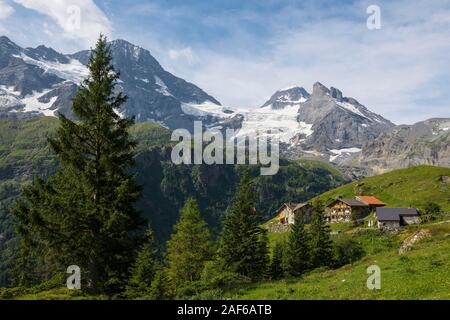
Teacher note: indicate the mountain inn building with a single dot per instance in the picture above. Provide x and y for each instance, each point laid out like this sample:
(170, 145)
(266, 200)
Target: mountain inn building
(344, 210)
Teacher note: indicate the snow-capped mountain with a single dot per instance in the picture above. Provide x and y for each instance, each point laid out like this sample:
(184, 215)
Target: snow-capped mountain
(323, 124)
(35, 81)
(340, 126)
(41, 81)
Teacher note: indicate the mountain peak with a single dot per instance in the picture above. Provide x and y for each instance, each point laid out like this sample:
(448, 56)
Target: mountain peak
(46, 53)
(6, 43)
(127, 46)
(320, 90)
(124, 50)
(336, 93)
(5, 39)
(122, 42)
(286, 97)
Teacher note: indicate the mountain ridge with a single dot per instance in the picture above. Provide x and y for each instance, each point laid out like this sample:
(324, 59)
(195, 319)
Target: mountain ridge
(425, 142)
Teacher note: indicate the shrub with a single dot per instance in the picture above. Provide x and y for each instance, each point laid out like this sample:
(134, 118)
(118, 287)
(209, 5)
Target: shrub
(347, 251)
(215, 275)
(431, 211)
(214, 294)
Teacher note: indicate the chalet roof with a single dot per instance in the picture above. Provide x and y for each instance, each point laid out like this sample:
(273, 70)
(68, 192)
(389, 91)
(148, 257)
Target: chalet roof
(293, 206)
(371, 200)
(350, 202)
(394, 214)
(299, 206)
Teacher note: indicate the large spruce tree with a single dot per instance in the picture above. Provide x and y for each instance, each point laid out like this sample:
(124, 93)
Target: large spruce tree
(297, 255)
(320, 241)
(243, 242)
(84, 215)
(189, 247)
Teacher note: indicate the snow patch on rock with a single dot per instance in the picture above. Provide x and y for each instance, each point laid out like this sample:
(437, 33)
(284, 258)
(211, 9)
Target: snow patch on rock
(32, 103)
(74, 71)
(343, 152)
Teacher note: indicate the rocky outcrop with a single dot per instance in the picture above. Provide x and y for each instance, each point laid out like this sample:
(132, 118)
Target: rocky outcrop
(424, 143)
(415, 238)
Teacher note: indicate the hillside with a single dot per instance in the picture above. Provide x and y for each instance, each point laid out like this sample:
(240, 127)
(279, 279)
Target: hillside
(401, 188)
(421, 273)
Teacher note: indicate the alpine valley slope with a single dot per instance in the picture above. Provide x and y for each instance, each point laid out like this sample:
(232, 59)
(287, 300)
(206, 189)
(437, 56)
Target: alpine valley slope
(25, 154)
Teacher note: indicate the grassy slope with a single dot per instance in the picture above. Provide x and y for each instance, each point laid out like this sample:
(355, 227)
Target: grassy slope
(400, 188)
(56, 294)
(23, 142)
(422, 273)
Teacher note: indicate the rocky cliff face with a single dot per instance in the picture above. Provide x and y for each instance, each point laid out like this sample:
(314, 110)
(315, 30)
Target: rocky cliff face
(426, 142)
(339, 126)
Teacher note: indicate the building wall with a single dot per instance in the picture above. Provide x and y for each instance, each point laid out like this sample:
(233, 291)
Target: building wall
(410, 220)
(389, 225)
(283, 215)
(287, 216)
(339, 212)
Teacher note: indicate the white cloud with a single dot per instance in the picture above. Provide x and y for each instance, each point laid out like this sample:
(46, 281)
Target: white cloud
(185, 54)
(81, 21)
(399, 71)
(5, 10)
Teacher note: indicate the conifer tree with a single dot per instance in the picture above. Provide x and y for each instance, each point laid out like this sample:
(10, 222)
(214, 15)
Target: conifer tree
(158, 290)
(242, 240)
(84, 215)
(144, 269)
(189, 247)
(320, 243)
(276, 264)
(297, 256)
(262, 255)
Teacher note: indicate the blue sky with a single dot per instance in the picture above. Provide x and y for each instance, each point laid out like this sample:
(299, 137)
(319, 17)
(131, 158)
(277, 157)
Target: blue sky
(243, 51)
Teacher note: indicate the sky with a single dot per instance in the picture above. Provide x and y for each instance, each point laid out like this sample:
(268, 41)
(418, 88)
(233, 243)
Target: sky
(241, 52)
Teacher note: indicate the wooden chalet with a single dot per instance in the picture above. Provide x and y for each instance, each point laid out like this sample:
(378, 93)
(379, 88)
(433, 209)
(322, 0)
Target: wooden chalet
(343, 210)
(286, 213)
(371, 201)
